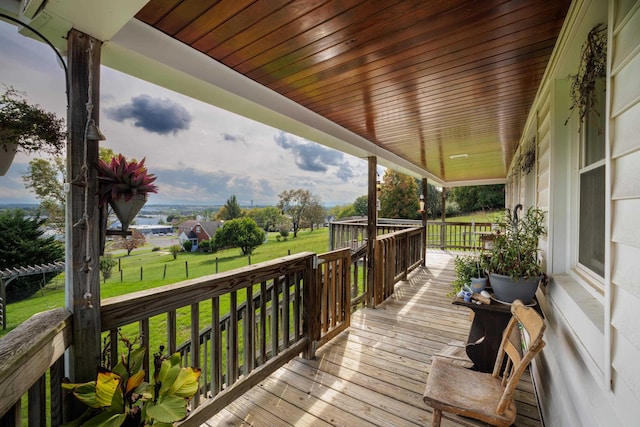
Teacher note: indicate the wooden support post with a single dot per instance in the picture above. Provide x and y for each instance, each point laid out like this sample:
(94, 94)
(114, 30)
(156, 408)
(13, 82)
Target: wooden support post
(372, 222)
(82, 271)
(443, 227)
(423, 238)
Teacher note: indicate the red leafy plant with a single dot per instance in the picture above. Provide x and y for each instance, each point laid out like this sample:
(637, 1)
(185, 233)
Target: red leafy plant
(122, 179)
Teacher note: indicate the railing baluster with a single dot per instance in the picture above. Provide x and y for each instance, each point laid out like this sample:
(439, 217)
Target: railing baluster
(216, 347)
(144, 342)
(285, 312)
(232, 340)
(249, 327)
(37, 407)
(296, 307)
(171, 331)
(274, 317)
(263, 322)
(56, 374)
(195, 345)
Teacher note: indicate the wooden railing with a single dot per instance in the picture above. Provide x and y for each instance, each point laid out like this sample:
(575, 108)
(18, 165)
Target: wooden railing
(396, 254)
(440, 235)
(296, 304)
(456, 235)
(252, 345)
(353, 233)
(27, 354)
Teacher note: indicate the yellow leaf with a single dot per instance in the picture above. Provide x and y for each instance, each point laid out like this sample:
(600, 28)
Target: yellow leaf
(135, 381)
(106, 386)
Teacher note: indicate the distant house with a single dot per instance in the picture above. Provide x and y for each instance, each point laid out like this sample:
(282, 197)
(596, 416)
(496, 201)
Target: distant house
(197, 231)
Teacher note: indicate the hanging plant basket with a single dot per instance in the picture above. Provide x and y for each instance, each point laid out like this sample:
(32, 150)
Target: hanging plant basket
(593, 66)
(6, 157)
(126, 210)
(124, 185)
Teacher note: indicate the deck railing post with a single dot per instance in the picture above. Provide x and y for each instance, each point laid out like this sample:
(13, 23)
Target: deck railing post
(423, 234)
(372, 220)
(311, 305)
(82, 288)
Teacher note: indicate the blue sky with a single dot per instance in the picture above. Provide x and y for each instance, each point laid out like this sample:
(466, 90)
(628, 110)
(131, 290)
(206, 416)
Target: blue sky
(200, 153)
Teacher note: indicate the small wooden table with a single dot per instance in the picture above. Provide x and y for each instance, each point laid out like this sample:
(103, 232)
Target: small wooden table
(489, 322)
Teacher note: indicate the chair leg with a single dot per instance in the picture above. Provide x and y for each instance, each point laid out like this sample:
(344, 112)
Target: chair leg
(437, 417)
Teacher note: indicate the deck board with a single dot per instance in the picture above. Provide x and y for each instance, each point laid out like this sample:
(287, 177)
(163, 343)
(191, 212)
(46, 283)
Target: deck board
(374, 373)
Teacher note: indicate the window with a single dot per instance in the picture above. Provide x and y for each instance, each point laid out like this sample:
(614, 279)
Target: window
(591, 244)
(197, 229)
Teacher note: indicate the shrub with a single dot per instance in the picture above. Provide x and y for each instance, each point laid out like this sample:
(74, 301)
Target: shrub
(187, 245)
(155, 249)
(174, 249)
(22, 244)
(106, 265)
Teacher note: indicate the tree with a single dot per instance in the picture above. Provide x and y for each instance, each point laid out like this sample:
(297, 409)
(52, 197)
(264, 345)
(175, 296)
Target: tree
(399, 196)
(433, 203)
(46, 180)
(361, 206)
(479, 197)
(22, 243)
(241, 233)
(293, 203)
(314, 213)
(268, 217)
(129, 243)
(230, 210)
(342, 211)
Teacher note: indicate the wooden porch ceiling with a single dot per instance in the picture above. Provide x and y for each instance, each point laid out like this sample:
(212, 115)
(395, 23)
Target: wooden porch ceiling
(427, 81)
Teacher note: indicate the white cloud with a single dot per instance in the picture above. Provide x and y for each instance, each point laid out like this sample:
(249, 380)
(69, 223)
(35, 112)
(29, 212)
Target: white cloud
(216, 155)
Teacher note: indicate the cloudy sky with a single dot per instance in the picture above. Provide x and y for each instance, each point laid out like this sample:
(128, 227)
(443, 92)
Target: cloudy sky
(200, 154)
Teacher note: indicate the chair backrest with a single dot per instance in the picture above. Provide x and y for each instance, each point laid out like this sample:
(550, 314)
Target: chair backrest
(521, 341)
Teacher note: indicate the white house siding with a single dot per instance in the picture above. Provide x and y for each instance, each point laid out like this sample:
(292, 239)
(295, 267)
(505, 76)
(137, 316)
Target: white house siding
(588, 374)
(625, 206)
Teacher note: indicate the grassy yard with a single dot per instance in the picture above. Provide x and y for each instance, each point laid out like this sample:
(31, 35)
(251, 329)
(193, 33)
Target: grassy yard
(153, 264)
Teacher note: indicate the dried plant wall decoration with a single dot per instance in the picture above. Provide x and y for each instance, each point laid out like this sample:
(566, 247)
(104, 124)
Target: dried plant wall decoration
(593, 66)
(527, 157)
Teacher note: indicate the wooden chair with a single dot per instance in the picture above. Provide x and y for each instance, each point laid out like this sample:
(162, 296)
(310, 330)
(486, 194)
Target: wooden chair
(483, 396)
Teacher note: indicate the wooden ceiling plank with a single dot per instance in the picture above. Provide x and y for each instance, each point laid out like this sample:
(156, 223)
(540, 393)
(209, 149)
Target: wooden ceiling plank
(370, 21)
(430, 93)
(519, 42)
(155, 10)
(421, 42)
(239, 23)
(209, 21)
(183, 15)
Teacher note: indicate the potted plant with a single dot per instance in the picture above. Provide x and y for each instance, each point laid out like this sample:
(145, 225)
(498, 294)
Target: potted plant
(121, 396)
(514, 263)
(124, 185)
(27, 128)
(470, 272)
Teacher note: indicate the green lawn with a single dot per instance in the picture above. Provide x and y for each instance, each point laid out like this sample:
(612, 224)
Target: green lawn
(153, 265)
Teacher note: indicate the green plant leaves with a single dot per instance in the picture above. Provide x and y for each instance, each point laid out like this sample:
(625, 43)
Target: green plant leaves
(106, 419)
(167, 410)
(186, 384)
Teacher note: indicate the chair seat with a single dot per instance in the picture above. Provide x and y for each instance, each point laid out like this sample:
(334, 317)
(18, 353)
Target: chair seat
(452, 388)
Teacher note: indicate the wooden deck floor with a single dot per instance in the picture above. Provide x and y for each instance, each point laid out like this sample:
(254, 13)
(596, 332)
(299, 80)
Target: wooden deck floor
(374, 373)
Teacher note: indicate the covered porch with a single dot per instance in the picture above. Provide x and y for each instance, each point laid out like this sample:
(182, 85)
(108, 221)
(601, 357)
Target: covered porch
(374, 373)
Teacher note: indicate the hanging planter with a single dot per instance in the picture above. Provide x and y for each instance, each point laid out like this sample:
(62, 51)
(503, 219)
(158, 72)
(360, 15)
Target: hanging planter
(7, 153)
(27, 128)
(593, 66)
(124, 186)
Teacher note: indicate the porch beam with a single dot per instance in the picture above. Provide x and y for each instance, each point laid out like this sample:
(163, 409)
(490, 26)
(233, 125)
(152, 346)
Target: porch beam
(424, 222)
(82, 283)
(372, 222)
